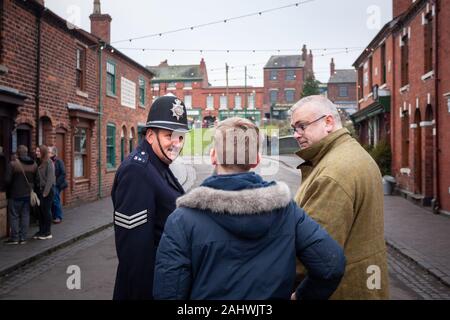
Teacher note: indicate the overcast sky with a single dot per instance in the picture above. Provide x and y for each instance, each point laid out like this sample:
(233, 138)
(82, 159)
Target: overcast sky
(317, 23)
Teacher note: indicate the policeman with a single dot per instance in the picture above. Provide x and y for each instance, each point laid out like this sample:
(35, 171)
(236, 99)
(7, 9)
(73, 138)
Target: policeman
(144, 194)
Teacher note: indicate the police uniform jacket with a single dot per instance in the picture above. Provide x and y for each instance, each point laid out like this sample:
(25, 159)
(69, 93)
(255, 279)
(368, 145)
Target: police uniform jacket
(143, 194)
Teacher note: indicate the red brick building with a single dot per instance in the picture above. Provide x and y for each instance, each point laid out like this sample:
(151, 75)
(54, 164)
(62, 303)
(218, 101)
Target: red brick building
(341, 90)
(284, 76)
(205, 103)
(49, 94)
(417, 44)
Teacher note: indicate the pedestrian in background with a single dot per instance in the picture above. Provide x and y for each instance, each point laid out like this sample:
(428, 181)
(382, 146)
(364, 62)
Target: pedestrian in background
(237, 236)
(20, 179)
(341, 189)
(59, 186)
(46, 179)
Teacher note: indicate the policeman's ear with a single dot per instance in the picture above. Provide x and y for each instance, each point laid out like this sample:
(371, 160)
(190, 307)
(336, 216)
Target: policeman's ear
(150, 136)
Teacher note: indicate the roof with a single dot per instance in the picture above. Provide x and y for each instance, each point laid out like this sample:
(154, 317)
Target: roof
(291, 61)
(176, 73)
(343, 76)
(385, 31)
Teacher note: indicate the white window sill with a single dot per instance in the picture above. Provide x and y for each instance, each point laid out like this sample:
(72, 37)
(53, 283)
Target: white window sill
(404, 88)
(446, 94)
(406, 171)
(428, 75)
(361, 100)
(383, 86)
(82, 94)
(370, 95)
(187, 88)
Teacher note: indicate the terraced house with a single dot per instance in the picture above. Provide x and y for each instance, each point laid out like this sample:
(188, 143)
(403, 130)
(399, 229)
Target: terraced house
(404, 97)
(63, 86)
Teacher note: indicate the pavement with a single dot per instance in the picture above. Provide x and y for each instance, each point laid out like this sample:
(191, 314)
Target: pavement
(413, 231)
(78, 223)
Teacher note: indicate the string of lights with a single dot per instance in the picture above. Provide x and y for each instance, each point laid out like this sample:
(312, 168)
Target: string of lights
(258, 13)
(240, 50)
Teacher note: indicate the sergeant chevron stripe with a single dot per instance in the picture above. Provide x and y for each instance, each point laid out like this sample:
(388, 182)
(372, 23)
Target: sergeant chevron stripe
(130, 222)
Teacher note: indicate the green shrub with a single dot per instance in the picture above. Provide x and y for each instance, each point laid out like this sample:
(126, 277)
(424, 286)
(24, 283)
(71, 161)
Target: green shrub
(381, 153)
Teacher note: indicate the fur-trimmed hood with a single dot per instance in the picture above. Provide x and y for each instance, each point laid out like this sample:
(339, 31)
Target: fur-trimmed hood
(240, 202)
(249, 212)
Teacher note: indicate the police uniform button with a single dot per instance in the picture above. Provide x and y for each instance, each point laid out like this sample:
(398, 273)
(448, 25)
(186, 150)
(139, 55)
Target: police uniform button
(142, 152)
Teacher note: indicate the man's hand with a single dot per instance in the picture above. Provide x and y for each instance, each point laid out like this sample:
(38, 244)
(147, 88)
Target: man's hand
(293, 296)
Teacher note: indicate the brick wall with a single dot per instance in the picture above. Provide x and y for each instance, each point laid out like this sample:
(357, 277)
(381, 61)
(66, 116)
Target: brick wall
(121, 116)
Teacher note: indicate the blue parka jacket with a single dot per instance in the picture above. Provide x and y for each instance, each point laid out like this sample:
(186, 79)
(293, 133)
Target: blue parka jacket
(237, 237)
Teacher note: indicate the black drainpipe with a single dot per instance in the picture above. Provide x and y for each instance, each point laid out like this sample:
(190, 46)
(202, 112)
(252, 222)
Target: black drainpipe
(38, 72)
(435, 201)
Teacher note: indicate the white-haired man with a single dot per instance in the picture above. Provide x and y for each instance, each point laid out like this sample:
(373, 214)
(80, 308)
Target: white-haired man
(341, 189)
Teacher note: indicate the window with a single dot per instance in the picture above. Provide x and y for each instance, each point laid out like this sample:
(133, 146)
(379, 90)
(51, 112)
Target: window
(343, 91)
(111, 146)
(273, 74)
(131, 141)
(188, 101)
(110, 78)
(383, 63)
(404, 61)
(123, 143)
(405, 139)
(223, 102)
(428, 37)
(142, 91)
(370, 73)
(80, 149)
(172, 86)
(251, 101)
(188, 85)
(290, 75)
(210, 102)
(289, 95)
(273, 96)
(81, 68)
(360, 83)
(237, 102)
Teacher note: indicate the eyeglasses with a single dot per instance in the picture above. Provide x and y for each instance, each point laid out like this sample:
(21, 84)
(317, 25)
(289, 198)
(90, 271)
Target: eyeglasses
(303, 126)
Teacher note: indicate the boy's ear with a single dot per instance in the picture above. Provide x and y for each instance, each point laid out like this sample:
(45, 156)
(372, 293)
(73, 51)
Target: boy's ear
(213, 157)
(258, 160)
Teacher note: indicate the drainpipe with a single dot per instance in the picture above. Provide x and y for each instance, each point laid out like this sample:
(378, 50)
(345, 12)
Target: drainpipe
(100, 113)
(38, 73)
(435, 201)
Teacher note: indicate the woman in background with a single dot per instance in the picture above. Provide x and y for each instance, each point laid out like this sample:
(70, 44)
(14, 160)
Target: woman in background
(46, 180)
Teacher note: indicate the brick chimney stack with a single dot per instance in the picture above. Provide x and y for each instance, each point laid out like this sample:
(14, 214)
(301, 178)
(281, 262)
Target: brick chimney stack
(400, 6)
(100, 23)
(304, 53)
(332, 67)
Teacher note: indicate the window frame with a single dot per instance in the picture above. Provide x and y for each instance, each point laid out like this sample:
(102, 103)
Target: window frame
(110, 147)
(270, 96)
(85, 155)
(144, 87)
(286, 95)
(287, 78)
(80, 68)
(113, 92)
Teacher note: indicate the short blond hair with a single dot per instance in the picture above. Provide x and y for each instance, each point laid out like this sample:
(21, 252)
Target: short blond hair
(236, 141)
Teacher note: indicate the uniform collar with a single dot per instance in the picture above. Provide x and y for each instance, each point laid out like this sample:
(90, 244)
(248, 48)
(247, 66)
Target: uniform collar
(315, 153)
(156, 161)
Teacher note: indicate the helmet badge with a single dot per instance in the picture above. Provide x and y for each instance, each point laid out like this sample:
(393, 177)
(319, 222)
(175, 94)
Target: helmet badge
(177, 110)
